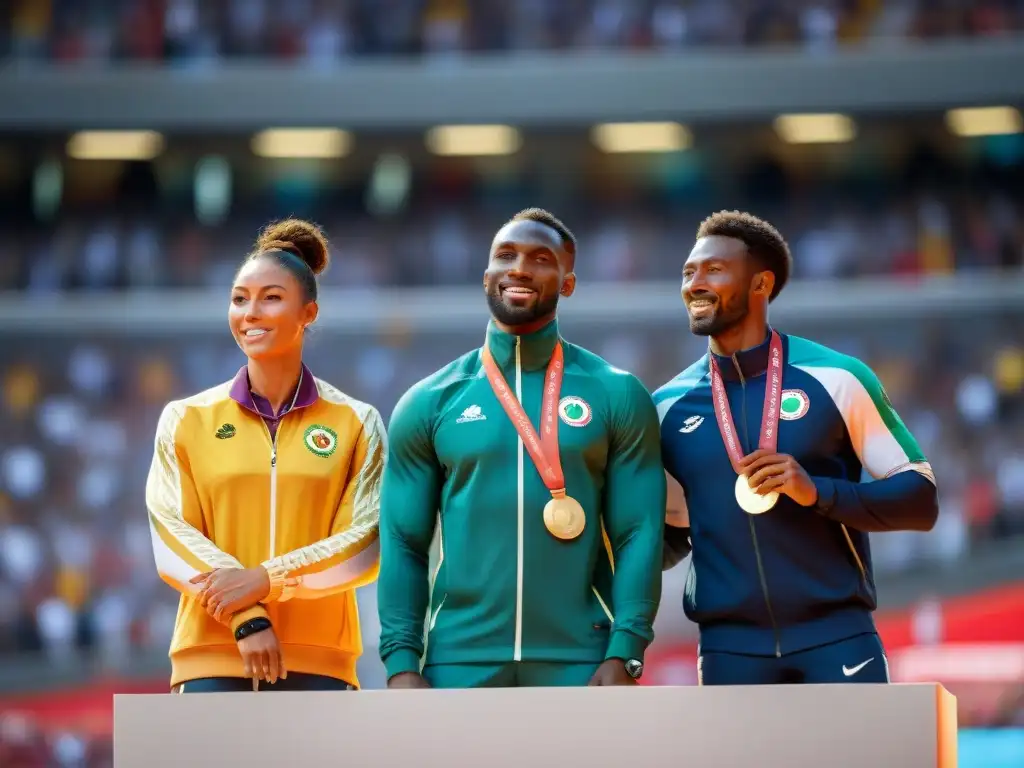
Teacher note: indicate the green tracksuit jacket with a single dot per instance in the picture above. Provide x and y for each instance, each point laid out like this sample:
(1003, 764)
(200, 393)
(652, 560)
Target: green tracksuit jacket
(506, 590)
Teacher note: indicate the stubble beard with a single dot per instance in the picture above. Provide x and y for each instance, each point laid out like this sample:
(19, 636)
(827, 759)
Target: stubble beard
(513, 316)
(724, 318)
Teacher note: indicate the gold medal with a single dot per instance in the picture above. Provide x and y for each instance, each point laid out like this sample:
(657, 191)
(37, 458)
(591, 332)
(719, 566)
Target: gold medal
(564, 517)
(750, 502)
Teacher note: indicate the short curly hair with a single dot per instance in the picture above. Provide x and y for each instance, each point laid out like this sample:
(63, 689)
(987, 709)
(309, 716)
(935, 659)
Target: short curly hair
(763, 242)
(547, 218)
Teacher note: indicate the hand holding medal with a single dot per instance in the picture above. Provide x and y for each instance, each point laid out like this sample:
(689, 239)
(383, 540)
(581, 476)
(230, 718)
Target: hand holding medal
(751, 502)
(775, 473)
(563, 515)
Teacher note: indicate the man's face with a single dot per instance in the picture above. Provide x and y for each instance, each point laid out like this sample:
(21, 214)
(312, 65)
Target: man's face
(529, 269)
(717, 278)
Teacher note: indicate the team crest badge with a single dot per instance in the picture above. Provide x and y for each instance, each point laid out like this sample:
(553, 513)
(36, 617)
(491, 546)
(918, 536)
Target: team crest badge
(321, 440)
(794, 404)
(575, 411)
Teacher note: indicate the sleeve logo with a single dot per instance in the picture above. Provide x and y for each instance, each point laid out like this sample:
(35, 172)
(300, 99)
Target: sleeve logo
(321, 440)
(795, 404)
(575, 411)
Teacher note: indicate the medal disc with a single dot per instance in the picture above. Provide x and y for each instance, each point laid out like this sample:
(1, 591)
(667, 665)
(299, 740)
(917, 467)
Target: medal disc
(564, 517)
(750, 502)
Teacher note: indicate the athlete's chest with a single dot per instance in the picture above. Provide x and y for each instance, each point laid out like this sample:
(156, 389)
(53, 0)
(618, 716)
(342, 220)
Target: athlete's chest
(810, 427)
(309, 448)
(474, 427)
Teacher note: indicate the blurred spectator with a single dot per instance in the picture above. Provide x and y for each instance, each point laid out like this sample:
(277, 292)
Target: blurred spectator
(188, 33)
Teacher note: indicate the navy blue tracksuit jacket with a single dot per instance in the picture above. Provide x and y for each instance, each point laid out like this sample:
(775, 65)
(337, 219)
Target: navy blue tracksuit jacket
(795, 577)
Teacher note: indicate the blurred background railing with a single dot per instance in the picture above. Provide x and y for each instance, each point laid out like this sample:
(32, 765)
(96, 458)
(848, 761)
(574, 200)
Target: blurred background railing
(884, 139)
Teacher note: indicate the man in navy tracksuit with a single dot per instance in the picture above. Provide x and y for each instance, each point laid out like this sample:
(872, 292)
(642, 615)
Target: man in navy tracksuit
(765, 440)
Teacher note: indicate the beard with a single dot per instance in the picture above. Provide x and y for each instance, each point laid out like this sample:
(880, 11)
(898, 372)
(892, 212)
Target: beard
(724, 317)
(519, 315)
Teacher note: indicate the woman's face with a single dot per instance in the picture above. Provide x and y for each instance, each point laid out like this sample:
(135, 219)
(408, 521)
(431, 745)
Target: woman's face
(269, 312)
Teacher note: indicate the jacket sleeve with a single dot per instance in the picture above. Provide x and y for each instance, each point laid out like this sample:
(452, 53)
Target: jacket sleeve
(350, 556)
(410, 499)
(634, 516)
(677, 525)
(180, 547)
(902, 495)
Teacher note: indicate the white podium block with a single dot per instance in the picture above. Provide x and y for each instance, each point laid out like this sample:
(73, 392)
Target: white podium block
(785, 726)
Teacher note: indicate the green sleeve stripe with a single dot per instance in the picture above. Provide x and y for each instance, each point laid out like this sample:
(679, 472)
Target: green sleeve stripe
(881, 439)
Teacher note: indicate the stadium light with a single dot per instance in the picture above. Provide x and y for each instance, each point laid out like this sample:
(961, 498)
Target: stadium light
(302, 143)
(984, 121)
(115, 145)
(641, 137)
(827, 128)
(473, 140)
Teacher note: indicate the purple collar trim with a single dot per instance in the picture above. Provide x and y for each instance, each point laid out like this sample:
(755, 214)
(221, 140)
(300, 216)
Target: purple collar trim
(305, 397)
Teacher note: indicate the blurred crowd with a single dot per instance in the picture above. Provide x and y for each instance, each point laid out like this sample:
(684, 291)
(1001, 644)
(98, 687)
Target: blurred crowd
(323, 32)
(24, 744)
(447, 244)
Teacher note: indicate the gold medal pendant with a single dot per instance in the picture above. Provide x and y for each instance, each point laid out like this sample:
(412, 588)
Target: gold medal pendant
(753, 503)
(564, 517)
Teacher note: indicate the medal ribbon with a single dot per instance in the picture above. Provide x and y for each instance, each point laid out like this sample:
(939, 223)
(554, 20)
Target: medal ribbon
(543, 451)
(769, 438)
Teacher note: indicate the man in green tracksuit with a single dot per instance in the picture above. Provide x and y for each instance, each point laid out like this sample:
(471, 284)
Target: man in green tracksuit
(541, 463)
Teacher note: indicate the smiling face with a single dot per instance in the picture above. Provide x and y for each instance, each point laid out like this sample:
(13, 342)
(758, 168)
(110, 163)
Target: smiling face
(269, 312)
(529, 269)
(718, 277)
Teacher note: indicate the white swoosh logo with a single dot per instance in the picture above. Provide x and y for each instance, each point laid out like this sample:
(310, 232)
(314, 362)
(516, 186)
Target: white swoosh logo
(851, 671)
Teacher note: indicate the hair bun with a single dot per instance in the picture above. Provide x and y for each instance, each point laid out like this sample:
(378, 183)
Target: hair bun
(304, 239)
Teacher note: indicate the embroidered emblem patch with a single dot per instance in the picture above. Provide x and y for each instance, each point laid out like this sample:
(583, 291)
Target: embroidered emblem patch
(321, 440)
(794, 404)
(225, 431)
(473, 413)
(575, 411)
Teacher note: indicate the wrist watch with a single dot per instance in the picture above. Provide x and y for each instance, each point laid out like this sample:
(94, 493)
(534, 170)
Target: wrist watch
(634, 668)
(251, 627)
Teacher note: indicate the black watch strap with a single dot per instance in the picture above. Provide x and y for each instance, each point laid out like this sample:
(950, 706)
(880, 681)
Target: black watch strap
(252, 626)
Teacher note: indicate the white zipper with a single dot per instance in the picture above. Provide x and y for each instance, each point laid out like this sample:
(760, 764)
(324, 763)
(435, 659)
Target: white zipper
(273, 497)
(517, 652)
(273, 468)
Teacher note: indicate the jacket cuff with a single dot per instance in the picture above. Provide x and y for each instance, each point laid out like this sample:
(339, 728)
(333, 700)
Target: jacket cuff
(402, 660)
(827, 493)
(625, 645)
(281, 587)
(243, 616)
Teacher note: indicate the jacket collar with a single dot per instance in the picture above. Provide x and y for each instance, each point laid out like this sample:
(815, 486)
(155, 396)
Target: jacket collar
(752, 361)
(306, 395)
(535, 348)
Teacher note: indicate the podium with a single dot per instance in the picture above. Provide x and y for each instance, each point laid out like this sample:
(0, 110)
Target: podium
(798, 726)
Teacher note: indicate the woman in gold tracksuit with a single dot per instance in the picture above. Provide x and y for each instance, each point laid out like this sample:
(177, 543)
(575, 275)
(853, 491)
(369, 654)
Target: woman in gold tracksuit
(263, 496)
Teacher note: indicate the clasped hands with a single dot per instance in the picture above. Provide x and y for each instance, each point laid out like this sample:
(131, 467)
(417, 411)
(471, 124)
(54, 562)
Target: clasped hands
(226, 591)
(767, 471)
